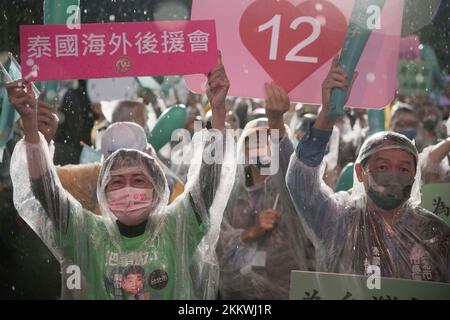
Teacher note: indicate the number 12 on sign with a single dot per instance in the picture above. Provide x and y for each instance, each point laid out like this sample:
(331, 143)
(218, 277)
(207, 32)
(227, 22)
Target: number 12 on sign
(274, 24)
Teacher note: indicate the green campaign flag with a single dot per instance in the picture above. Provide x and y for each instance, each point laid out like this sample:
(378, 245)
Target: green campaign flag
(172, 119)
(356, 38)
(307, 285)
(438, 78)
(436, 198)
(414, 78)
(376, 121)
(8, 115)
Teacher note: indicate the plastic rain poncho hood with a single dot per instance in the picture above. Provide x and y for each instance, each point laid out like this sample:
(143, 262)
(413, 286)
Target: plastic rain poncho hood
(261, 270)
(349, 238)
(174, 258)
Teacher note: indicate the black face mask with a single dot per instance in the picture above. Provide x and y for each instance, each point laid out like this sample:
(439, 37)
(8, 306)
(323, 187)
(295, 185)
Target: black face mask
(389, 190)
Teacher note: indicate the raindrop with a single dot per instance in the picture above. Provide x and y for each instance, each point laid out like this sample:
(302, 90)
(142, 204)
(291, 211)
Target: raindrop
(370, 77)
(322, 20)
(420, 78)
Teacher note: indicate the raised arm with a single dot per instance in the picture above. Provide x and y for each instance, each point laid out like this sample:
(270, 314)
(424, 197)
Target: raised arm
(205, 187)
(277, 104)
(318, 207)
(433, 167)
(42, 178)
(216, 92)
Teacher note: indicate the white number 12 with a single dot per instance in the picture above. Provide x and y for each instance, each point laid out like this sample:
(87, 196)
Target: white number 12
(275, 22)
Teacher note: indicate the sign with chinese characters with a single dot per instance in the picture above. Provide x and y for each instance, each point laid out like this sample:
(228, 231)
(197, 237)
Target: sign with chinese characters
(436, 198)
(108, 50)
(307, 285)
(293, 42)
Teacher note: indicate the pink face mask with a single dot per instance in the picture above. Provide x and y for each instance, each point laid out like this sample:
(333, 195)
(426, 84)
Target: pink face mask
(130, 204)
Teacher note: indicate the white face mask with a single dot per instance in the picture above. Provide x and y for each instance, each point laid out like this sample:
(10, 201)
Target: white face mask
(130, 205)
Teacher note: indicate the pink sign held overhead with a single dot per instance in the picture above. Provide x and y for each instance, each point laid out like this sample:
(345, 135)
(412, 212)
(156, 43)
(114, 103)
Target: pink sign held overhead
(292, 42)
(109, 50)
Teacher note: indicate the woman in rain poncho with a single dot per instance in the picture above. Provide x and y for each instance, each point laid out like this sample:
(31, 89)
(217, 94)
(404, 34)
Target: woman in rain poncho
(80, 180)
(262, 239)
(139, 248)
(380, 221)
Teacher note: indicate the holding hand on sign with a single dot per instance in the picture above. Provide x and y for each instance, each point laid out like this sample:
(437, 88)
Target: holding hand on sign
(336, 78)
(277, 104)
(22, 97)
(216, 92)
(380, 217)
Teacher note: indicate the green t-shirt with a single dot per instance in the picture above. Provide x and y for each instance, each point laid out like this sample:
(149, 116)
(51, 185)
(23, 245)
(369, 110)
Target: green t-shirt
(139, 267)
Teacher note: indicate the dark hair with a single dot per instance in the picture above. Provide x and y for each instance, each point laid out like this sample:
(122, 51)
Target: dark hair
(133, 270)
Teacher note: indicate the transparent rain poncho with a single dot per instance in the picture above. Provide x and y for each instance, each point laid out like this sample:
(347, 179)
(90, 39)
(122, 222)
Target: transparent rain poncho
(261, 270)
(80, 180)
(434, 171)
(348, 237)
(174, 258)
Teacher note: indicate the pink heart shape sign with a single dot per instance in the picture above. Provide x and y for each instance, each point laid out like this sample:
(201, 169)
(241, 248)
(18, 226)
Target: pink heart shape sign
(291, 42)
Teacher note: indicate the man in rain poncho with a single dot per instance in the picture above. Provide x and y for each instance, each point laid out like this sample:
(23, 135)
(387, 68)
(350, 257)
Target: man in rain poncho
(262, 239)
(379, 223)
(139, 247)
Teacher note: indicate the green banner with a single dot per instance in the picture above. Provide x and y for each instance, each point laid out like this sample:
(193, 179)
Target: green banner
(307, 285)
(414, 78)
(8, 115)
(436, 198)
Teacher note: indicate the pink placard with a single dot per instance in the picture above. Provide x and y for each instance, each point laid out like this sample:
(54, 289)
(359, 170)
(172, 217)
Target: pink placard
(243, 57)
(108, 50)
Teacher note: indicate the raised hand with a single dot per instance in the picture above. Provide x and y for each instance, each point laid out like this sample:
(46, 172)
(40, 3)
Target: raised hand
(277, 104)
(267, 219)
(265, 222)
(216, 92)
(336, 78)
(21, 96)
